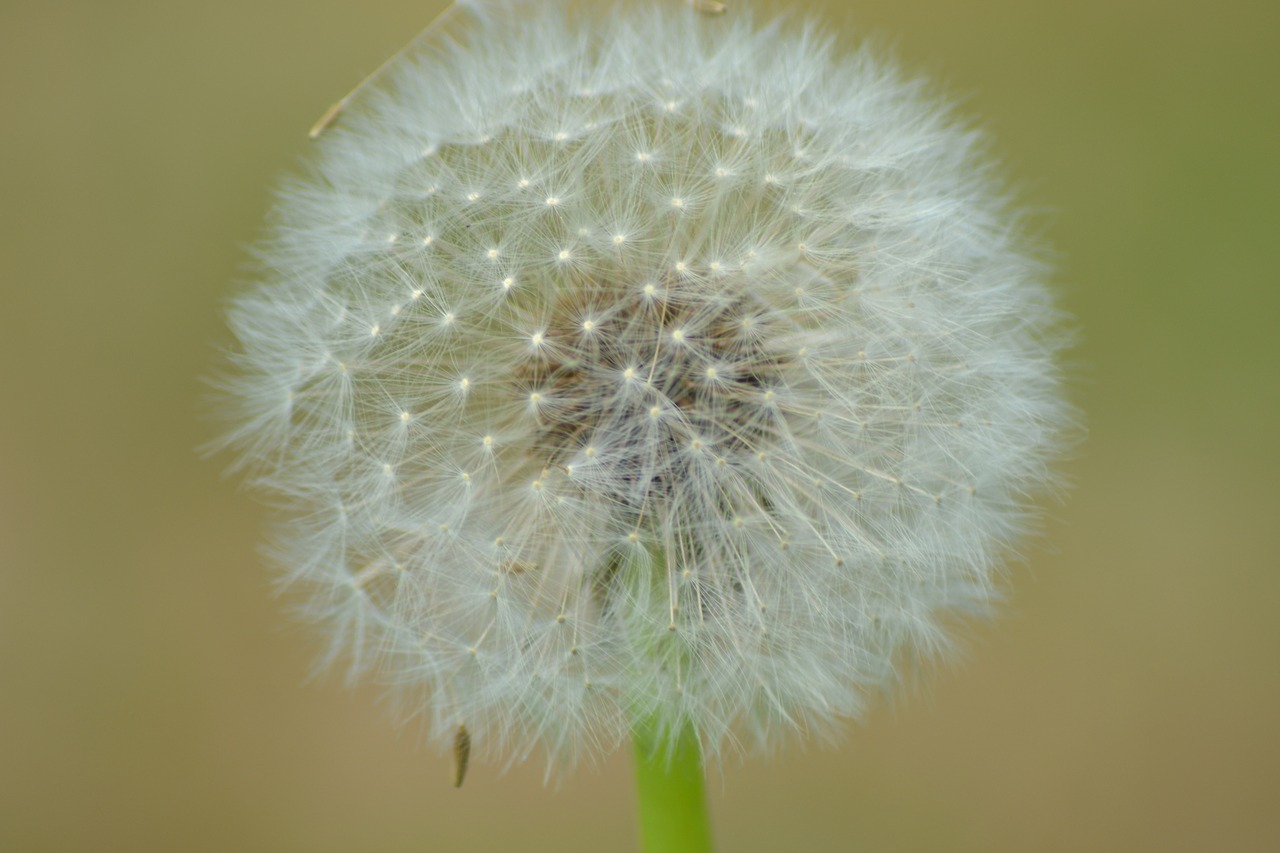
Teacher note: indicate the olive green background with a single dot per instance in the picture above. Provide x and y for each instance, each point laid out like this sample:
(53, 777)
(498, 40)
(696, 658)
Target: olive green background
(153, 693)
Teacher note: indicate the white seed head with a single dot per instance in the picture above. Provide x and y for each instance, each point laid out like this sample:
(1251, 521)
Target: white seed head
(763, 412)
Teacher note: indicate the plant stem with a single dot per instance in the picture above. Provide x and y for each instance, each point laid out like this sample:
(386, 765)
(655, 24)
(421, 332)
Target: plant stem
(669, 782)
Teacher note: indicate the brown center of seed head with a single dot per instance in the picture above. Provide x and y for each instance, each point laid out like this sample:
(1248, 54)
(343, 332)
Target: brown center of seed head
(673, 368)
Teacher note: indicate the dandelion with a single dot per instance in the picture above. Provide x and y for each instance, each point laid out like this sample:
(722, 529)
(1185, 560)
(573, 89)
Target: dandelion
(643, 371)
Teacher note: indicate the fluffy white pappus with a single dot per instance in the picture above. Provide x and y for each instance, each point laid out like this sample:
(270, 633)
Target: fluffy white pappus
(630, 362)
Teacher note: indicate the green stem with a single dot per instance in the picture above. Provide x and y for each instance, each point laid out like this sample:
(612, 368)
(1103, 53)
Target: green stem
(669, 781)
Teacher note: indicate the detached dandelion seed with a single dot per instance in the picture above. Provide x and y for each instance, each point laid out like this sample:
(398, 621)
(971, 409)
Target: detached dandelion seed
(757, 402)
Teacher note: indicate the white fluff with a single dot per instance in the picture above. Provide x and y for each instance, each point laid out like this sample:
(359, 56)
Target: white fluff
(635, 361)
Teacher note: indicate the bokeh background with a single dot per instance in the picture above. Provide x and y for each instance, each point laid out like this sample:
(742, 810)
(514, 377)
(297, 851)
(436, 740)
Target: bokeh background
(153, 693)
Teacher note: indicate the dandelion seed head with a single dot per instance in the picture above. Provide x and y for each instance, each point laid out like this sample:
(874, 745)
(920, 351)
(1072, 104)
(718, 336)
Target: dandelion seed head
(716, 384)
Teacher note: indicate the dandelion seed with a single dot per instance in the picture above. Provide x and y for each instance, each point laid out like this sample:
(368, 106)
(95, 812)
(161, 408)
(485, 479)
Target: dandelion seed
(748, 465)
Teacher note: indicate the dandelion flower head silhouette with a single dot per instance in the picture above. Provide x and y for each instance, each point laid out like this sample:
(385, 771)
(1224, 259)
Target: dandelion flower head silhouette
(627, 361)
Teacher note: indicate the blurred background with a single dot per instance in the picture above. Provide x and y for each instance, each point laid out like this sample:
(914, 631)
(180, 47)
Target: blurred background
(153, 692)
